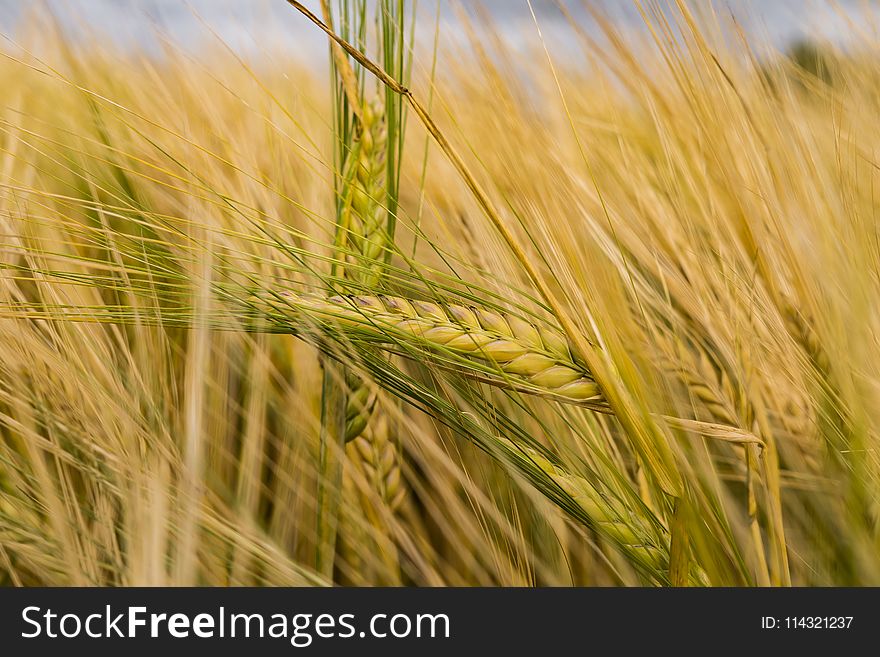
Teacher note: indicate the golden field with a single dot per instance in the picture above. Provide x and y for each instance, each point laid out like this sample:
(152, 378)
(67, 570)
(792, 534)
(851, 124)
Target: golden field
(615, 324)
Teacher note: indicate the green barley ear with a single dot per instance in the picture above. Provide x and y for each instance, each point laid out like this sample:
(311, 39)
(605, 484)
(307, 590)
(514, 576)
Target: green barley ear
(366, 222)
(364, 215)
(646, 543)
(363, 218)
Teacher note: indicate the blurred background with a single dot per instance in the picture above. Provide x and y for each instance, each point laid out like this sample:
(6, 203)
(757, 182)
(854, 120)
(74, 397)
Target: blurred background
(270, 24)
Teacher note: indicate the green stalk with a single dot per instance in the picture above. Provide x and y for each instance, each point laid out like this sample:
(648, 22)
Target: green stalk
(331, 443)
(364, 135)
(331, 446)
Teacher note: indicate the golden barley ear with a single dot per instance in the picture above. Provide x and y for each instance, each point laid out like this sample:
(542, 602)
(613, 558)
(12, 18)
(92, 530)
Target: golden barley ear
(501, 349)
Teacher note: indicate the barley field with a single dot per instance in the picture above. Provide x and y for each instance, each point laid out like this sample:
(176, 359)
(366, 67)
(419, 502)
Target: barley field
(436, 308)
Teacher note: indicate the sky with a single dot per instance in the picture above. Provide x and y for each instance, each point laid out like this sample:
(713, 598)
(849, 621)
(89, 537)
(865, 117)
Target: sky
(251, 25)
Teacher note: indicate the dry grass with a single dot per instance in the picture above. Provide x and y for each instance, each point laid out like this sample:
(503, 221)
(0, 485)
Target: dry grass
(692, 228)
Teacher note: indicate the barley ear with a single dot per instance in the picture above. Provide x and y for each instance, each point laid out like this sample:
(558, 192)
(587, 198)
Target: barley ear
(498, 348)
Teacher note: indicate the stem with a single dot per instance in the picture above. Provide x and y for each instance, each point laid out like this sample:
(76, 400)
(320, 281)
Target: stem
(330, 451)
(762, 571)
(679, 552)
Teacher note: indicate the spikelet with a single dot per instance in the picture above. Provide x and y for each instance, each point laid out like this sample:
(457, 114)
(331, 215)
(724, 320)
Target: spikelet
(359, 409)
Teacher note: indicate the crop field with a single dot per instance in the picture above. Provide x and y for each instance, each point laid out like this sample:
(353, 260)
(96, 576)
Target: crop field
(438, 308)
